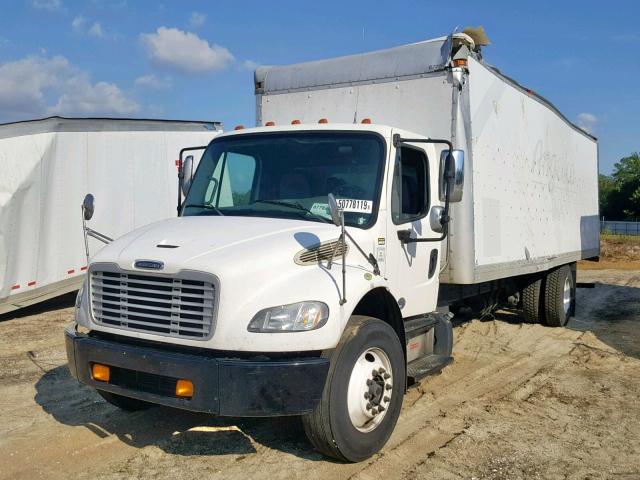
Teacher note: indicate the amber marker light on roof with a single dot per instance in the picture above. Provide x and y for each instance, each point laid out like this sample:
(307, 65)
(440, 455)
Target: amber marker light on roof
(366, 121)
(270, 124)
(323, 120)
(239, 127)
(295, 122)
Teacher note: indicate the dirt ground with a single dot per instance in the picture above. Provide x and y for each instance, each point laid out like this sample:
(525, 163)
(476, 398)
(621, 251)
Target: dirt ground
(616, 251)
(520, 401)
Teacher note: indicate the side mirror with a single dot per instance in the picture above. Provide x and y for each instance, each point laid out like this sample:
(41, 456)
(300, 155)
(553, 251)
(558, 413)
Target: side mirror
(435, 218)
(457, 157)
(187, 174)
(88, 206)
(335, 210)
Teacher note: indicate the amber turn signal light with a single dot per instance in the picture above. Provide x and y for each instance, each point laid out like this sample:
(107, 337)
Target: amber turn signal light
(460, 62)
(100, 372)
(184, 388)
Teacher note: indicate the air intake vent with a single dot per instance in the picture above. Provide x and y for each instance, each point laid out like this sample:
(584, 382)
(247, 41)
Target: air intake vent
(321, 253)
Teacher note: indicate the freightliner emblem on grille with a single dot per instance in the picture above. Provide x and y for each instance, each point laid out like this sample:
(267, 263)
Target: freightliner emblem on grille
(149, 264)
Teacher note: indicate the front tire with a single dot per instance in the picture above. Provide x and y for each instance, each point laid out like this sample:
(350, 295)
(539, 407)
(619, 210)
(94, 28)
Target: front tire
(363, 392)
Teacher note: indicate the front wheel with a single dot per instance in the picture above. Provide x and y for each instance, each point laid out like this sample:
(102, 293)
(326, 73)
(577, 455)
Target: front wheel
(363, 392)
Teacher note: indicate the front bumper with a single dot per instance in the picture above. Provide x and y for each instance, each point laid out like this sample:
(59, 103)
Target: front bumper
(222, 386)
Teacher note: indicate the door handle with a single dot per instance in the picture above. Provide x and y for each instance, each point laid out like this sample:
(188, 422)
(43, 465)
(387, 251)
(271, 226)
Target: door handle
(433, 261)
(404, 236)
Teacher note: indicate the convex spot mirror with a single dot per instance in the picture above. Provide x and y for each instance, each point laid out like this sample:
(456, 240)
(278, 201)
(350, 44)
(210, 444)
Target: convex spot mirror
(457, 158)
(334, 209)
(187, 174)
(88, 206)
(435, 218)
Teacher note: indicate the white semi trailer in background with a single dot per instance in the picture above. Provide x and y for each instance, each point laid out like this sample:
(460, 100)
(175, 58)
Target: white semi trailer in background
(48, 165)
(314, 257)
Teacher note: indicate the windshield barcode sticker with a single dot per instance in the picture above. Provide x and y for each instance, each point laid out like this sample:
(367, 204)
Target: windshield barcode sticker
(353, 205)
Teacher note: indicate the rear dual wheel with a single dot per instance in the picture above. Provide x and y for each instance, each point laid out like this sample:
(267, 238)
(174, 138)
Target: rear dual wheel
(550, 299)
(559, 296)
(363, 392)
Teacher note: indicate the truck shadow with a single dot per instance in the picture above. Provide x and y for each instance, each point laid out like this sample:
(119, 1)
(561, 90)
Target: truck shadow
(175, 432)
(610, 312)
(63, 301)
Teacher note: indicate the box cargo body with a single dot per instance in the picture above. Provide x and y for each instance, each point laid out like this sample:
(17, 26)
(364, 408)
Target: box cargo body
(47, 168)
(531, 177)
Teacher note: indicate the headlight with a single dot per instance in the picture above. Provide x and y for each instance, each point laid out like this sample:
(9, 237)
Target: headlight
(296, 317)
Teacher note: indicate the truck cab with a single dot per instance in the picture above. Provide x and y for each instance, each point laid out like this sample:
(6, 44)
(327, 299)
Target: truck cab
(253, 296)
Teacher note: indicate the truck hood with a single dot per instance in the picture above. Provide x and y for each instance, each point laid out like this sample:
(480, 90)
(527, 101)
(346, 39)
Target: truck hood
(212, 243)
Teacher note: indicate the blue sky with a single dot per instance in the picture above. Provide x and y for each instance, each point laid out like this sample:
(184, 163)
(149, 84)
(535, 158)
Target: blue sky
(195, 59)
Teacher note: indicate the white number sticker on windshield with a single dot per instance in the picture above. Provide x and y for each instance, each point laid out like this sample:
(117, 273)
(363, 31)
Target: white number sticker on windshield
(353, 205)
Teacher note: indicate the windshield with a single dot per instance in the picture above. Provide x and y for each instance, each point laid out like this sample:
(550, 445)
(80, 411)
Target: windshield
(289, 175)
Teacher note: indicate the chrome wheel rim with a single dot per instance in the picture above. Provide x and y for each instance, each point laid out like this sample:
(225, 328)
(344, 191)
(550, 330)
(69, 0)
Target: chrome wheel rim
(566, 298)
(370, 389)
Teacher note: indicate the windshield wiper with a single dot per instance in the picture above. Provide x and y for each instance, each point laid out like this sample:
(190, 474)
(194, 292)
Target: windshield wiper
(205, 206)
(296, 206)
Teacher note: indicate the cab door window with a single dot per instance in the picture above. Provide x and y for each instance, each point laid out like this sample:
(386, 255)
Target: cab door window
(410, 190)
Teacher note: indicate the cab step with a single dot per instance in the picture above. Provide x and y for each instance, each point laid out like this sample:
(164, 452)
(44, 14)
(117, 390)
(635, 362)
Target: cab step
(427, 365)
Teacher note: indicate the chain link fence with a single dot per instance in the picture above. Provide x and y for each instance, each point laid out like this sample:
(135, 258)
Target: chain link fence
(619, 228)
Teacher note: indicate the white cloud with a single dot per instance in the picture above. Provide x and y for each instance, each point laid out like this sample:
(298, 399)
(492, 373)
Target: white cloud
(50, 5)
(85, 98)
(78, 23)
(151, 81)
(38, 86)
(197, 19)
(587, 121)
(185, 51)
(250, 64)
(96, 30)
(81, 26)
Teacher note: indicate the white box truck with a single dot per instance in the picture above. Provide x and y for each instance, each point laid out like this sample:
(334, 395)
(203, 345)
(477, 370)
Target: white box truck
(47, 167)
(314, 256)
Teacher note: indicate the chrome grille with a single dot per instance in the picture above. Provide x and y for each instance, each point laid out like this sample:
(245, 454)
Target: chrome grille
(177, 307)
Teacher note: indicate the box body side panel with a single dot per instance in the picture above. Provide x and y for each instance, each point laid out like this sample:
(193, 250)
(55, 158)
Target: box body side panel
(535, 182)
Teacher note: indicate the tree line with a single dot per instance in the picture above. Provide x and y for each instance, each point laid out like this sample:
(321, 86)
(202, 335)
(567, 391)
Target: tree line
(620, 191)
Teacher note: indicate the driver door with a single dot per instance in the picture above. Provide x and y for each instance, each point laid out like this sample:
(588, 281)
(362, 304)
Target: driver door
(412, 268)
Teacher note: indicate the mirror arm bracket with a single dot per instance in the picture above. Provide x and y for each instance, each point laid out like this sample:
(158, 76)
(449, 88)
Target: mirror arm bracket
(98, 236)
(370, 258)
